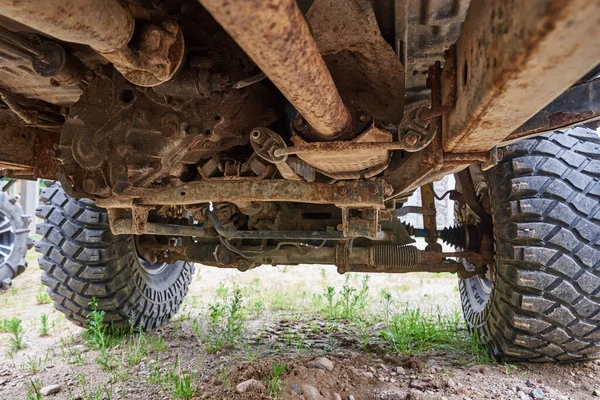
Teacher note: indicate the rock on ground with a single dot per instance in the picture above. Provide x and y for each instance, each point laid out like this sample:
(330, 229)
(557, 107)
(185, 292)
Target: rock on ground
(321, 363)
(50, 389)
(244, 386)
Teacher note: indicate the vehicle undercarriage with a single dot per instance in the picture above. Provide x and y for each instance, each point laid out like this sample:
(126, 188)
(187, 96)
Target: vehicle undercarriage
(251, 132)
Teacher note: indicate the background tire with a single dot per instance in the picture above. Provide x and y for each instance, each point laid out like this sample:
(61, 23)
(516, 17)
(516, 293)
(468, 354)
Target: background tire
(543, 300)
(82, 259)
(14, 239)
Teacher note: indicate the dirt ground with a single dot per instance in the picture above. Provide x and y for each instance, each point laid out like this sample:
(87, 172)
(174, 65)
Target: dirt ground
(283, 335)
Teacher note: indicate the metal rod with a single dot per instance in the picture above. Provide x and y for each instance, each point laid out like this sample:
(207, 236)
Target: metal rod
(338, 146)
(19, 41)
(276, 36)
(280, 235)
(8, 185)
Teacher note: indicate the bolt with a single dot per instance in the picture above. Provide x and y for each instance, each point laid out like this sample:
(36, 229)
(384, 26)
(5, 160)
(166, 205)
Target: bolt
(411, 139)
(342, 190)
(169, 129)
(151, 39)
(373, 190)
(89, 185)
(363, 118)
(299, 123)
(340, 227)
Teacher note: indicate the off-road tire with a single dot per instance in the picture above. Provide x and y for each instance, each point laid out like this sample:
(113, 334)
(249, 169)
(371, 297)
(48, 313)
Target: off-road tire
(544, 303)
(82, 260)
(14, 238)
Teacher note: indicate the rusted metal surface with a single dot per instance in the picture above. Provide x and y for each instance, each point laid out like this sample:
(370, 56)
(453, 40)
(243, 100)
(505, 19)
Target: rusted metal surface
(107, 27)
(429, 218)
(364, 66)
(104, 25)
(424, 29)
(348, 160)
(578, 104)
(18, 143)
(45, 162)
(427, 165)
(265, 142)
(372, 259)
(513, 58)
(157, 58)
(119, 140)
(276, 36)
(18, 76)
(343, 194)
(26, 149)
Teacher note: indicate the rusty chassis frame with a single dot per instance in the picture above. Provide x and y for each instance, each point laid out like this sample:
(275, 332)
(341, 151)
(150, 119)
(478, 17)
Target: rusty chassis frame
(507, 78)
(490, 92)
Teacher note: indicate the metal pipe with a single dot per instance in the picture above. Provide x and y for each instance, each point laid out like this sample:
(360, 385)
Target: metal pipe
(104, 25)
(276, 36)
(275, 235)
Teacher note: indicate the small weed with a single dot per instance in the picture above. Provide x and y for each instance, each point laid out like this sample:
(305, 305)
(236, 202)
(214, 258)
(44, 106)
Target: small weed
(67, 340)
(158, 344)
(42, 297)
(351, 302)
(386, 302)
(222, 291)
(223, 376)
(33, 389)
(43, 325)
(137, 349)
(75, 357)
(35, 364)
(225, 322)
(181, 385)
(274, 381)
(155, 376)
(13, 326)
(98, 392)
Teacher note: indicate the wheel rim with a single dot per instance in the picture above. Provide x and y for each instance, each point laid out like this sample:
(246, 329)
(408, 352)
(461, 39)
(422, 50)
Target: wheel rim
(150, 268)
(7, 237)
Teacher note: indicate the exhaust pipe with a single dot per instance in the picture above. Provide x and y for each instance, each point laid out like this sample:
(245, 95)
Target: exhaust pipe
(276, 36)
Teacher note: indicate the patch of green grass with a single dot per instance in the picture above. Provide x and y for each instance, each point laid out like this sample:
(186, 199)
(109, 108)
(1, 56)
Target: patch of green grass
(14, 326)
(274, 381)
(43, 325)
(412, 331)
